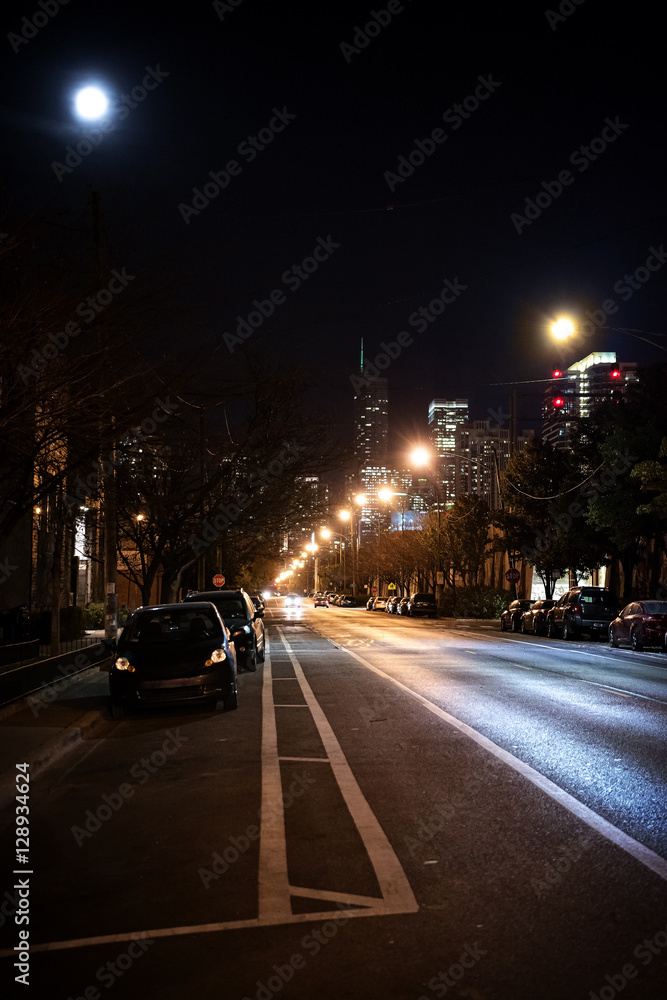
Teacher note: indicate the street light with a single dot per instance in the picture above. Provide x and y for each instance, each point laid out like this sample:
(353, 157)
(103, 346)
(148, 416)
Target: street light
(345, 515)
(91, 103)
(562, 328)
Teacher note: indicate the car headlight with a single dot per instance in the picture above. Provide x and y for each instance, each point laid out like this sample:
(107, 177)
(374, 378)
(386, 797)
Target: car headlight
(244, 629)
(217, 656)
(122, 663)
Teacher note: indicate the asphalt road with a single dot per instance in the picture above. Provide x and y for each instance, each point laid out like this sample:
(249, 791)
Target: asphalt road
(398, 809)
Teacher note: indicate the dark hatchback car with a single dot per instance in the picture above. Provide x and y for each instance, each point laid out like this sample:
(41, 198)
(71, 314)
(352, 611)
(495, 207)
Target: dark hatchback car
(422, 605)
(346, 601)
(582, 609)
(172, 654)
(242, 619)
(510, 619)
(642, 623)
(392, 604)
(535, 620)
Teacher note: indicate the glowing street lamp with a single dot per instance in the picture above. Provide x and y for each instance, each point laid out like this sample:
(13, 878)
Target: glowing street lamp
(420, 456)
(91, 103)
(562, 328)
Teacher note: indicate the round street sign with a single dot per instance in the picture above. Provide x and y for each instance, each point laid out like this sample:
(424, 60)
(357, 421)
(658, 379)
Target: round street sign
(374, 590)
(512, 575)
(218, 580)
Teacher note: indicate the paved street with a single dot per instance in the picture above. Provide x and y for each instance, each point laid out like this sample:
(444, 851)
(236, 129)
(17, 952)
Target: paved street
(398, 809)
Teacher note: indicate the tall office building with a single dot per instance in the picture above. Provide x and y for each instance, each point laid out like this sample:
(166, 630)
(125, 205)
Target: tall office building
(574, 392)
(483, 450)
(444, 416)
(371, 423)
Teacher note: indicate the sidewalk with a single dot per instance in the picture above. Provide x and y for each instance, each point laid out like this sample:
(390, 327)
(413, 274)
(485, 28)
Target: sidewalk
(41, 727)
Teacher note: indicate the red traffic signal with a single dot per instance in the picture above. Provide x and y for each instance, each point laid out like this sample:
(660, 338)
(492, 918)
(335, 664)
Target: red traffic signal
(615, 373)
(558, 402)
(557, 373)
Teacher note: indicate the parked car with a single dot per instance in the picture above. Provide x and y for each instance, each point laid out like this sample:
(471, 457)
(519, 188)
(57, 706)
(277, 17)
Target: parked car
(422, 605)
(321, 601)
(380, 604)
(257, 601)
(346, 601)
(535, 619)
(582, 609)
(172, 654)
(370, 603)
(642, 623)
(243, 621)
(510, 619)
(392, 604)
(402, 606)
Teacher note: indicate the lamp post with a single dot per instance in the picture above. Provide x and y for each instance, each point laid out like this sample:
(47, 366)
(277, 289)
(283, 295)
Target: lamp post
(92, 104)
(326, 534)
(345, 515)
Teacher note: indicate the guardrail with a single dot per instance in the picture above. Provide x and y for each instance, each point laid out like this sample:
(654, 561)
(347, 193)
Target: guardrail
(18, 652)
(26, 679)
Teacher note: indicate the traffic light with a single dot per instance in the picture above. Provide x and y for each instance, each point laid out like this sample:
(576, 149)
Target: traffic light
(558, 402)
(615, 374)
(557, 373)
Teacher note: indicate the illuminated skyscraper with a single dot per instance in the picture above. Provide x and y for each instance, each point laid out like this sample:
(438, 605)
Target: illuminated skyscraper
(444, 416)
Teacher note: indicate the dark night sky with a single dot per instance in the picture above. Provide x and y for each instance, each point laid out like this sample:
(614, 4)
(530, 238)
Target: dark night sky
(323, 176)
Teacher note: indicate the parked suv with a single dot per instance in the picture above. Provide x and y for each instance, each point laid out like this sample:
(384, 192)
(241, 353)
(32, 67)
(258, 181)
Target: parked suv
(422, 604)
(582, 609)
(242, 619)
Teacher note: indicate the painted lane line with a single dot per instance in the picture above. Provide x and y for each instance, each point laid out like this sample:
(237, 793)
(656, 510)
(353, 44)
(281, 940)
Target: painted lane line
(638, 851)
(397, 894)
(274, 900)
(212, 928)
(316, 760)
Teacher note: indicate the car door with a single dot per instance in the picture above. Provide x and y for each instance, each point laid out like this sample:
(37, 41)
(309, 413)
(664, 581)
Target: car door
(256, 624)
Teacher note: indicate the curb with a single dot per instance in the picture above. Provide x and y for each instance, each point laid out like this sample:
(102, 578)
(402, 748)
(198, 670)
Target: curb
(50, 751)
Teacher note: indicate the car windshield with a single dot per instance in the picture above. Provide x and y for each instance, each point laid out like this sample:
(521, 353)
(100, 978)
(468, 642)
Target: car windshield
(655, 607)
(231, 608)
(423, 597)
(604, 598)
(172, 626)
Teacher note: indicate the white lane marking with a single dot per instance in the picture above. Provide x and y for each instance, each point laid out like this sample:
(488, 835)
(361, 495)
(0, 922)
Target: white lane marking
(334, 897)
(397, 894)
(290, 706)
(274, 901)
(638, 851)
(319, 760)
(167, 932)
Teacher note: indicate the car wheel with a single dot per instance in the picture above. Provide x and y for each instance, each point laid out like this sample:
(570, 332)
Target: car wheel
(568, 631)
(613, 641)
(523, 629)
(551, 629)
(636, 642)
(230, 702)
(118, 711)
(515, 625)
(502, 624)
(250, 661)
(262, 656)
